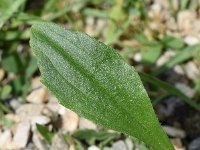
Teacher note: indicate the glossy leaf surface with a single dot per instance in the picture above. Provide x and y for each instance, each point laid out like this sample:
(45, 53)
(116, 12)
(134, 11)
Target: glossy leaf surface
(93, 80)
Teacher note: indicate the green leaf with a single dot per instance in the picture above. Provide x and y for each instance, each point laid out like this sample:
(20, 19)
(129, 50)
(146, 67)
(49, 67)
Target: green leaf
(90, 136)
(44, 131)
(13, 62)
(31, 68)
(5, 91)
(180, 57)
(151, 53)
(173, 42)
(14, 7)
(169, 88)
(93, 80)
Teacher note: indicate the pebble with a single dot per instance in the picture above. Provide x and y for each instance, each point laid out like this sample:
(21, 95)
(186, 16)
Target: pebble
(59, 143)
(5, 137)
(38, 142)
(72, 147)
(38, 96)
(89, 29)
(191, 40)
(87, 124)
(177, 144)
(22, 134)
(35, 83)
(179, 70)
(2, 73)
(26, 111)
(70, 120)
(165, 57)
(119, 145)
(137, 57)
(156, 8)
(53, 104)
(15, 103)
(174, 132)
(129, 144)
(41, 119)
(12, 117)
(192, 71)
(195, 144)
(185, 20)
(185, 89)
(93, 148)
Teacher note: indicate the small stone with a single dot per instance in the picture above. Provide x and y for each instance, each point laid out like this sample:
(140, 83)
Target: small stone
(179, 69)
(195, 144)
(93, 148)
(22, 134)
(119, 145)
(15, 103)
(177, 144)
(174, 132)
(72, 147)
(137, 57)
(58, 142)
(27, 111)
(53, 104)
(86, 124)
(12, 117)
(157, 8)
(89, 29)
(39, 143)
(192, 71)
(190, 40)
(2, 73)
(5, 138)
(185, 20)
(185, 89)
(38, 96)
(100, 24)
(129, 144)
(165, 57)
(70, 120)
(35, 83)
(41, 119)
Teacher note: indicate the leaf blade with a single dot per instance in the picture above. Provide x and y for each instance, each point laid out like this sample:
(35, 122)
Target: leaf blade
(91, 79)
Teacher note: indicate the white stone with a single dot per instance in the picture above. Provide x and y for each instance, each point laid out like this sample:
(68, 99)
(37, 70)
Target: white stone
(129, 143)
(192, 71)
(59, 143)
(195, 144)
(38, 96)
(120, 145)
(27, 111)
(185, 89)
(70, 120)
(190, 40)
(22, 134)
(177, 144)
(185, 20)
(165, 57)
(179, 69)
(41, 119)
(39, 143)
(156, 7)
(174, 132)
(86, 124)
(93, 148)
(5, 137)
(137, 57)
(2, 72)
